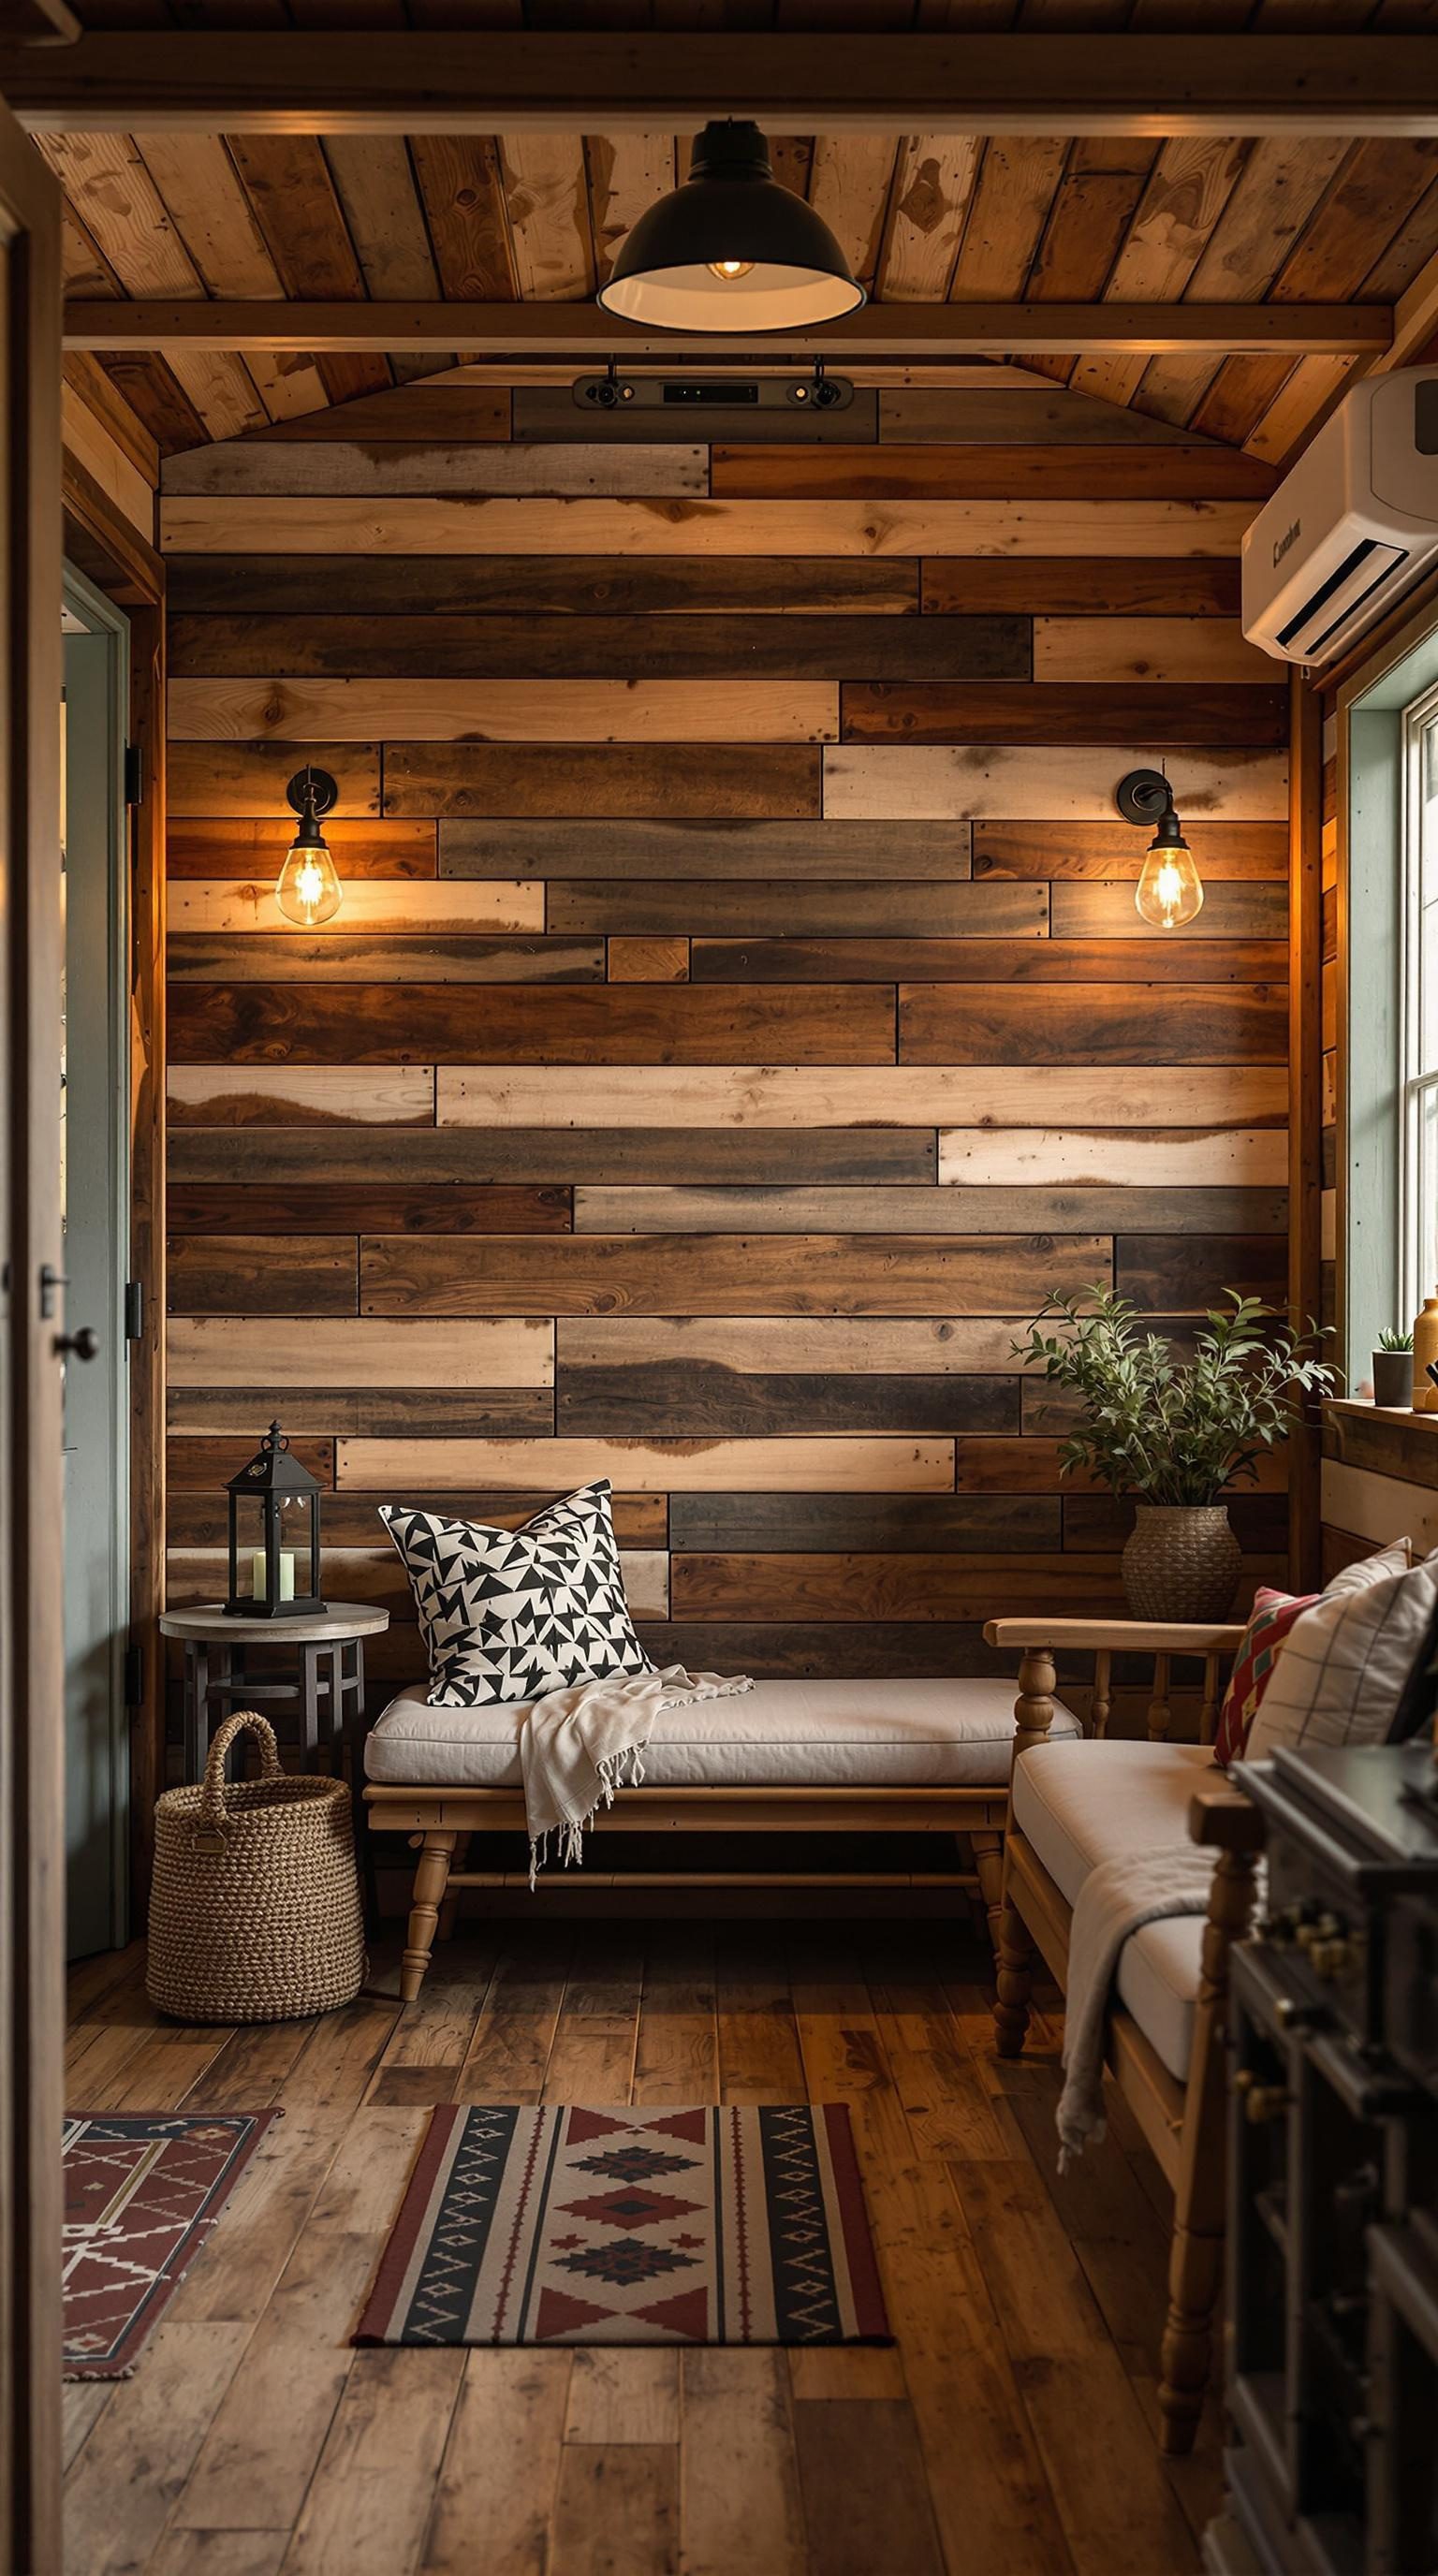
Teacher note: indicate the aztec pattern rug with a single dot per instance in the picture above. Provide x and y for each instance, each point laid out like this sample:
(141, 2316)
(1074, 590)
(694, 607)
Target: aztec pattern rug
(141, 2195)
(566, 2225)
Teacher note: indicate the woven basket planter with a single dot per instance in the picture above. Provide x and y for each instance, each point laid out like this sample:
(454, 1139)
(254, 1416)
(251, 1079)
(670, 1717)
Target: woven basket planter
(254, 1904)
(1182, 1562)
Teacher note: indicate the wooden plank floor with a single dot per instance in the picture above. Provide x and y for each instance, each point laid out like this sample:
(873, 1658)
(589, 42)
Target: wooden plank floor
(1008, 2433)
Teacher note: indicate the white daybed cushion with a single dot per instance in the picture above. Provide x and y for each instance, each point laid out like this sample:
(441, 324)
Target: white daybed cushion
(821, 1735)
(1079, 1804)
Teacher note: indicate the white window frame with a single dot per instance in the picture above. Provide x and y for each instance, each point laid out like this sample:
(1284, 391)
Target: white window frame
(1417, 1245)
(1375, 1005)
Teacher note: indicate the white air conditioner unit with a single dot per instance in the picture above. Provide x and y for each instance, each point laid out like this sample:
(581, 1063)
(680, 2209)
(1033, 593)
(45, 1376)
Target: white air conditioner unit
(1352, 527)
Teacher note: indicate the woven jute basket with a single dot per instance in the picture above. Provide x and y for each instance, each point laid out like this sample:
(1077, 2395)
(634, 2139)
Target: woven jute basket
(254, 1904)
(1182, 1561)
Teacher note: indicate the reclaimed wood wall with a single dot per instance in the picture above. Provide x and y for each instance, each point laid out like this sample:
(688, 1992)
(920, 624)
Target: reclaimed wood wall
(738, 1018)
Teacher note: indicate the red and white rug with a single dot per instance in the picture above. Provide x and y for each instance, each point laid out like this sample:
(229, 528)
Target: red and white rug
(566, 2225)
(142, 2193)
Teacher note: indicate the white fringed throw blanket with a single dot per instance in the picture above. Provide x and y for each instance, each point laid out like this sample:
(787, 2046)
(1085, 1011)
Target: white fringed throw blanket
(578, 1746)
(1115, 1901)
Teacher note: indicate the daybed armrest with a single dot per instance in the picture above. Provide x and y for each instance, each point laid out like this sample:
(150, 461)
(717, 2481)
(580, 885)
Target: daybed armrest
(1037, 1640)
(1119, 1636)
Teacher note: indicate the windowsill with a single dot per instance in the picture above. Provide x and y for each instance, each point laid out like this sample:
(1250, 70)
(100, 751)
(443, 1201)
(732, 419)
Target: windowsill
(1395, 1416)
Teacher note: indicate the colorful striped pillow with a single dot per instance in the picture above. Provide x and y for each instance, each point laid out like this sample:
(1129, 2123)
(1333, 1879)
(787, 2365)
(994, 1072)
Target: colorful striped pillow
(1272, 1616)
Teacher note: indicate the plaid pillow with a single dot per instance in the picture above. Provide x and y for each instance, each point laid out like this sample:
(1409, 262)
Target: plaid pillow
(1273, 1615)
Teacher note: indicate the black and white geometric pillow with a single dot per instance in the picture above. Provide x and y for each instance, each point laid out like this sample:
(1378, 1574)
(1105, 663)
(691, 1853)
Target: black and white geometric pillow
(510, 1614)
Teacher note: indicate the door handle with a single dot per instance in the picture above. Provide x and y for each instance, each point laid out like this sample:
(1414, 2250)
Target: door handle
(84, 1345)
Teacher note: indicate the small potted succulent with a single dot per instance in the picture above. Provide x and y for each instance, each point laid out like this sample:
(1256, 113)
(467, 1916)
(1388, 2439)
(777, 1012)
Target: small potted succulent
(1393, 1370)
(1171, 1433)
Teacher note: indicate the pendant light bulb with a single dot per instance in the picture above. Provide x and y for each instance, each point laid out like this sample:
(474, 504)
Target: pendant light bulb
(731, 270)
(308, 889)
(1169, 890)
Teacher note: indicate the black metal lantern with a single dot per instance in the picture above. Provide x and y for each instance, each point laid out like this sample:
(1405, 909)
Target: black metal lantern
(274, 1536)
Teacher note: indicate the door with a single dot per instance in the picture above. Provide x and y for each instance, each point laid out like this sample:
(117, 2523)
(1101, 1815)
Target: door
(31, 1593)
(96, 1226)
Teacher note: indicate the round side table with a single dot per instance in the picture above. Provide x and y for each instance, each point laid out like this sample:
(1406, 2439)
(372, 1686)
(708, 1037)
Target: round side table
(327, 1655)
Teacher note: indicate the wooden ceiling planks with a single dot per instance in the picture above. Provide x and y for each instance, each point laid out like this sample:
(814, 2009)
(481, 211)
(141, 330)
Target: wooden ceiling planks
(546, 193)
(849, 185)
(212, 215)
(463, 196)
(626, 173)
(375, 184)
(288, 183)
(1016, 185)
(1375, 193)
(537, 217)
(1276, 194)
(1192, 181)
(116, 202)
(932, 190)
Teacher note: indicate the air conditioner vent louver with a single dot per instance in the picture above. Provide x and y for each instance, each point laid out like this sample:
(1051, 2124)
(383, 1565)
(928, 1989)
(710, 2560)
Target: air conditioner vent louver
(1349, 530)
(1365, 568)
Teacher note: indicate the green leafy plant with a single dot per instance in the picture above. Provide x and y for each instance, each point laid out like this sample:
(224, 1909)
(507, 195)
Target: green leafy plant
(1163, 1428)
(1395, 1341)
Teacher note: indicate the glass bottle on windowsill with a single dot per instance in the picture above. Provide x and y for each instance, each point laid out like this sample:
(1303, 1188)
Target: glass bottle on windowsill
(1425, 1348)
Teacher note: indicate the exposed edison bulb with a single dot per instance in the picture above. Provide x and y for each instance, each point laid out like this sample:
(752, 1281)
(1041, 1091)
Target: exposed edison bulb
(308, 890)
(1170, 889)
(729, 269)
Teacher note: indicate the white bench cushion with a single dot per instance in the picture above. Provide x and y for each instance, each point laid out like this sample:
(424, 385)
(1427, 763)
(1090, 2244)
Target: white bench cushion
(801, 1735)
(1079, 1804)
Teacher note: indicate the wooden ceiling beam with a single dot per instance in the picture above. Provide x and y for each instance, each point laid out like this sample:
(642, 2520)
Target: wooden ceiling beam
(584, 331)
(301, 81)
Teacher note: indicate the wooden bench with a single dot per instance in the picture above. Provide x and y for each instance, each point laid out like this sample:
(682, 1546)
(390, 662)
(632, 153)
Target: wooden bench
(1073, 1807)
(908, 1757)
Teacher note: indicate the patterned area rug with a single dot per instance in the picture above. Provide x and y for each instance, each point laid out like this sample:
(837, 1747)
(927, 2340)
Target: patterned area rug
(564, 2225)
(141, 2195)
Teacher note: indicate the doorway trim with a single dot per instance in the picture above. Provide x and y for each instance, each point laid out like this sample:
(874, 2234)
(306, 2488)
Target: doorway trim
(103, 1300)
(115, 558)
(32, 1841)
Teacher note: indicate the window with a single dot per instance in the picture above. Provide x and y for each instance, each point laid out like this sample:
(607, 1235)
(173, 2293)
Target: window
(1418, 1038)
(1386, 1005)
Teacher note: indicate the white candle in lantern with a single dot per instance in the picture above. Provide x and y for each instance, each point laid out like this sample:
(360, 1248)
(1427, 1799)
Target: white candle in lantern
(287, 1574)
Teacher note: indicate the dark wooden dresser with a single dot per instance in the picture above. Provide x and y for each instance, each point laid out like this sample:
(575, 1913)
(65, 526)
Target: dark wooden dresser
(1332, 2392)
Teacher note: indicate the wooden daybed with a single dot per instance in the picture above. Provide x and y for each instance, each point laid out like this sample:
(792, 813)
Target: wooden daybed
(904, 1757)
(1071, 1808)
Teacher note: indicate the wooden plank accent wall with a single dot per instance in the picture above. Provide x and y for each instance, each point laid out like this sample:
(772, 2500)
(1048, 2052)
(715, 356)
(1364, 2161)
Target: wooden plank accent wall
(738, 1018)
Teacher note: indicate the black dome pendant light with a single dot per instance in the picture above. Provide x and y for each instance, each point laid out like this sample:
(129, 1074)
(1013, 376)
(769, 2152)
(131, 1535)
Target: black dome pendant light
(731, 250)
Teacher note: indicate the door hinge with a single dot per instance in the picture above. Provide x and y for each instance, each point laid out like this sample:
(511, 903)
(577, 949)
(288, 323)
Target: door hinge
(134, 1310)
(134, 1676)
(134, 773)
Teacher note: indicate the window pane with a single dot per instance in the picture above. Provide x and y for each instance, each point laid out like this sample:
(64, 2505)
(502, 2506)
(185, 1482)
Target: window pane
(1424, 1132)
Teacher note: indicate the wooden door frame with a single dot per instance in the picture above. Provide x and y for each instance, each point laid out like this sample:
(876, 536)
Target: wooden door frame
(113, 555)
(32, 1846)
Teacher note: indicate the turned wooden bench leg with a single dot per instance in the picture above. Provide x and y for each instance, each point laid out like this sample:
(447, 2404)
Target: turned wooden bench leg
(987, 1845)
(1013, 1954)
(1033, 1717)
(1196, 2256)
(450, 1908)
(430, 1880)
(1014, 1982)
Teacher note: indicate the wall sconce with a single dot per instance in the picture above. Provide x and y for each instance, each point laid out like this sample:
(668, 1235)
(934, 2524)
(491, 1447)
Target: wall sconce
(1169, 890)
(307, 889)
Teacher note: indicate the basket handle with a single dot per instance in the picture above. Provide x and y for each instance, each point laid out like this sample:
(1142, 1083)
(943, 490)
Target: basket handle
(213, 1813)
